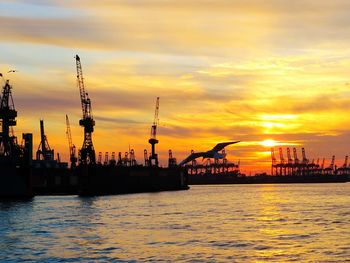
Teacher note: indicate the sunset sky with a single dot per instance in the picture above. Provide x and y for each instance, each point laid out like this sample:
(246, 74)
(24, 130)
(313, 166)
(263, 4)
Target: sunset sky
(249, 70)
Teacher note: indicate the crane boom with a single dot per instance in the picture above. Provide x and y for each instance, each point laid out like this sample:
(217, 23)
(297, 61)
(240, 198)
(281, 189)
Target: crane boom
(155, 121)
(69, 135)
(72, 149)
(84, 97)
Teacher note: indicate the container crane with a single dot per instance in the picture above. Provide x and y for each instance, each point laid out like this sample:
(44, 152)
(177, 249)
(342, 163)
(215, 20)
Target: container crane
(281, 156)
(282, 162)
(290, 160)
(332, 163)
(295, 154)
(345, 165)
(305, 160)
(153, 140)
(72, 149)
(87, 151)
(274, 162)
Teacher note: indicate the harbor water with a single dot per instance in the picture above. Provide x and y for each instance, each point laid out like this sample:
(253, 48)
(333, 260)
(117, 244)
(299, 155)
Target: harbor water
(222, 223)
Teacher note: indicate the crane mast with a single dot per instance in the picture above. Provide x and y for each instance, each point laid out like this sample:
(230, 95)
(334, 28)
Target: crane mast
(72, 149)
(153, 140)
(87, 151)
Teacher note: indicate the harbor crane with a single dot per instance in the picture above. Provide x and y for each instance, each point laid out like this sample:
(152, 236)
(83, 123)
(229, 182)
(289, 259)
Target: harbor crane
(44, 151)
(274, 161)
(87, 151)
(8, 114)
(153, 160)
(72, 149)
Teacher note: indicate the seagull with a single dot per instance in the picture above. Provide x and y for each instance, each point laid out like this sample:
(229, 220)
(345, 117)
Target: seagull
(213, 153)
(12, 70)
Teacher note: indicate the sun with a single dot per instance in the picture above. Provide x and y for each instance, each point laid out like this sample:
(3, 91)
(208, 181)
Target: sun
(268, 143)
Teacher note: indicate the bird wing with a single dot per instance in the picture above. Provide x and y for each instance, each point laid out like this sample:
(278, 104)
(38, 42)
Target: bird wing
(222, 145)
(191, 157)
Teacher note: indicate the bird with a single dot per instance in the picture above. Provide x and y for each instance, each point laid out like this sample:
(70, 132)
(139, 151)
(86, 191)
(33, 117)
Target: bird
(213, 153)
(12, 70)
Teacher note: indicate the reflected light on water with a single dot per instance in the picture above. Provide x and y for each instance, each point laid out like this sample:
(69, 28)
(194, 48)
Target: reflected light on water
(249, 223)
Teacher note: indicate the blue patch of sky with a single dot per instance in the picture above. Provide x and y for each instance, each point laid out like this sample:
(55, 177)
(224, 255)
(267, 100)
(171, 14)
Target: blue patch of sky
(35, 10)
(36, 55)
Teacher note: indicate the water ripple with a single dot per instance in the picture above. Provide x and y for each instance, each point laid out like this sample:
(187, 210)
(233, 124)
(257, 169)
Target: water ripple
(237, 223)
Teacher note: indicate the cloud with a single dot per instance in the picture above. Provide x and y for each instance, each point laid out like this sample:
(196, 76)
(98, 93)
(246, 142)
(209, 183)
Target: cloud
(249, 70)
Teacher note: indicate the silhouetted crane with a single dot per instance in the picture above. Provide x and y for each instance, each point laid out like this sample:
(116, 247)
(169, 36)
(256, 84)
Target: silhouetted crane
(8, 114)
(153, 140)
(305, 160)
(295, 154)
(274, 162)
(44, 151)
(281, 155)
(87, 151)
(345, 165)
(72, 149)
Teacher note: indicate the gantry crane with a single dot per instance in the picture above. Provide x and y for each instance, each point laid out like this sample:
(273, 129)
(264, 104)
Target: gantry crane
(274, 162)
(72, 149)
(295, 154)
(153, 160)
(87, 151)
(305, 160)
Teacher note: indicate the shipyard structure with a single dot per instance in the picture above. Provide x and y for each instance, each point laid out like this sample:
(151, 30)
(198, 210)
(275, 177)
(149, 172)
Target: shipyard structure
(216, 170)
(21, 175)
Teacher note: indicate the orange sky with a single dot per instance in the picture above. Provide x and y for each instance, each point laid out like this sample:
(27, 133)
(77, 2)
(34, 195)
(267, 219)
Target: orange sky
(247, 70)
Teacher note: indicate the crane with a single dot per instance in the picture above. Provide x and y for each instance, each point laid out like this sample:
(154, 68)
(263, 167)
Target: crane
(345, 165)
(296, 160)
(8, 114)
(273, 158)
(153, 140)
(72, 149)
(87, 151)
(305, 160)
(290, 160)
(44, 151)
(281, 156)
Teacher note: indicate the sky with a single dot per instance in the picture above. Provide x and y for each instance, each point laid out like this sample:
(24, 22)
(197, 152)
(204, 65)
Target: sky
(265, 72)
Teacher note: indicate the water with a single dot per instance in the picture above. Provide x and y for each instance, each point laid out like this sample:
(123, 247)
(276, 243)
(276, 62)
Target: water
(235, 223)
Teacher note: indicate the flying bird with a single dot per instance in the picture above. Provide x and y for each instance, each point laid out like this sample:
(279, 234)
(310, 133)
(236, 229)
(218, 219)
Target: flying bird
(213, 153)
(12, 70)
